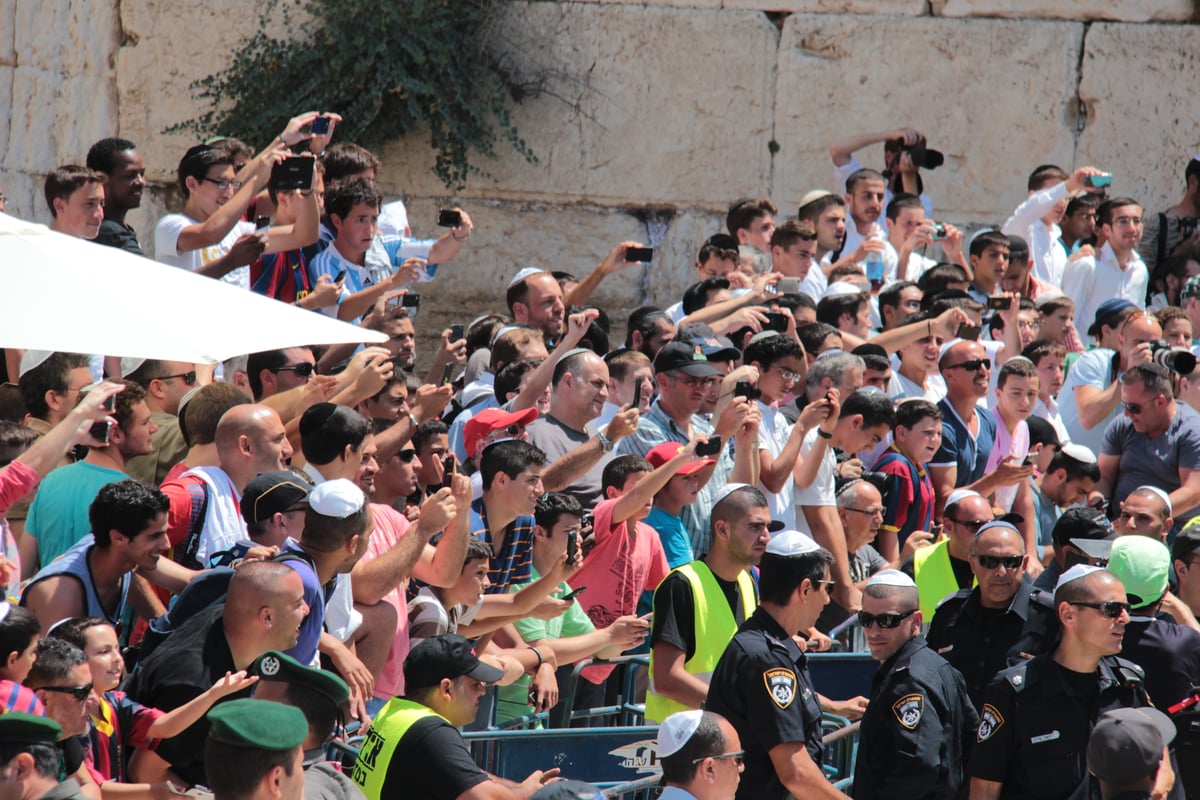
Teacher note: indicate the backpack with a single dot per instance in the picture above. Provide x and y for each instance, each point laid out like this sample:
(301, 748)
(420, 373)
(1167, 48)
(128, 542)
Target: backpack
(204, 591)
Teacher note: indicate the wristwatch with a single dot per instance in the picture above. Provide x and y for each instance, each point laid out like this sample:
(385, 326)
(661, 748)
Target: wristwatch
(606, 444)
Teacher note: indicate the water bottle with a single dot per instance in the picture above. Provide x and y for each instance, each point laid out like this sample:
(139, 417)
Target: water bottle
(875, 262)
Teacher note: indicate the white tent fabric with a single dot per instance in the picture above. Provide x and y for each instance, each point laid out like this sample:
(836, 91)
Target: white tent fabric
(64, 294)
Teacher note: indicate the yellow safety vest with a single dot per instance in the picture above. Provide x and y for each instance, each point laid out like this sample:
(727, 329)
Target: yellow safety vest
(715, 626)
(394, 720)
(934, 576)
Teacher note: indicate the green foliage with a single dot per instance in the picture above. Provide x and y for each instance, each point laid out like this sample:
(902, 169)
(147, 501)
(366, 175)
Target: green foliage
(389, 67)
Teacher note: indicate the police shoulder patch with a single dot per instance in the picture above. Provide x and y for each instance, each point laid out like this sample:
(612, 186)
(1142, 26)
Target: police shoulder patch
(781, 684)
(908, 710)
(269, 666)
(990, 721)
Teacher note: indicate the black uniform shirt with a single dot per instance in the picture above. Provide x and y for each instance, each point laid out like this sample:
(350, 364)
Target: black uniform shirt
(762, 686)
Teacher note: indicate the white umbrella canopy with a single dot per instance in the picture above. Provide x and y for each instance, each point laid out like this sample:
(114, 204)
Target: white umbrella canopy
(65, 294)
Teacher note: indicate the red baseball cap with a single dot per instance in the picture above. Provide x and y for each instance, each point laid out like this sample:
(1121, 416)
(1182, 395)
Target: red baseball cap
(492, 419)
(664, 452)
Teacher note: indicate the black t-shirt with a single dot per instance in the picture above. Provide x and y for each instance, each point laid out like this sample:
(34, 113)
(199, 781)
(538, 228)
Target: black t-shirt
(675, 612)
(123, 237)
(431, 762)
(180, 669)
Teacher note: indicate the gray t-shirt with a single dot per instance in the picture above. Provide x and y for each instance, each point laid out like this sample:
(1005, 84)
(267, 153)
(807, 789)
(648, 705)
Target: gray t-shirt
(556, 440)
(1155, 462)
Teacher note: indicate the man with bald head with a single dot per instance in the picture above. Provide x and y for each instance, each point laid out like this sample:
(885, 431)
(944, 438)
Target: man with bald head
(968, 430)
(263, 611)
(944, 567)
(976, 627)
(538, 300)
(1146, 512)
(580, 389)
(205, 517)
(860, 510)
(1037, 716)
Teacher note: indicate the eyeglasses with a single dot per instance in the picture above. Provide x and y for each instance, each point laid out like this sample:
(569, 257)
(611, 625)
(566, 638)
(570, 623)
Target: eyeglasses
(974, 365)
(693, 383)
(511, 431)
(992, 562)
(973, 525)
(231, 183)
(884, 621)
(1109, 608)
(873, 511)
(407, 455)
(303, 369)
(78, 692)
(787, 374)
(828, 586)
(738, 756)
(189, 378)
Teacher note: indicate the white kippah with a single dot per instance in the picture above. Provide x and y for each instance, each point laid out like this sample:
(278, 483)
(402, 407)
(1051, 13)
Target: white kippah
(31, 359)
(1161, 495)
(839, 288)
(1045, 298)
(1075, 573)
(727, 490)
(891, 577)
(337, 498)
(129, 365)
(958, 495)
(1078, 452)
(815, 194)
(503, 329)
(523, 274)
(791, 543)
(946, 346)
(676, 730)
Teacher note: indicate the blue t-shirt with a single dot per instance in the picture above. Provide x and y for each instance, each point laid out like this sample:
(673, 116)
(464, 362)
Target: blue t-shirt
(676, 542)
(961, 449)
(515, 563)
(315, 596)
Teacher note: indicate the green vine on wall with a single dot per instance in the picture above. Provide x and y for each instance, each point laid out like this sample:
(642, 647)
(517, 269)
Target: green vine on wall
(389, 67)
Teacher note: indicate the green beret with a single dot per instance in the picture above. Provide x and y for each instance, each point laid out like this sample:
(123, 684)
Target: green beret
(276, 666)
(17, 726)
(260, 724)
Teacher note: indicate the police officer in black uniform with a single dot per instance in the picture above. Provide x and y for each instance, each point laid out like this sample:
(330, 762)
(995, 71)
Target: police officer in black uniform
(920, 723)
(1037, 716)
(761, 684)
(975, 628)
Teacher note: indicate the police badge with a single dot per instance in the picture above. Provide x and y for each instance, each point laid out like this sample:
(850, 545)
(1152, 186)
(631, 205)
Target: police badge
(989, 722)
(781, 683)
(269, 667)
(908, 710)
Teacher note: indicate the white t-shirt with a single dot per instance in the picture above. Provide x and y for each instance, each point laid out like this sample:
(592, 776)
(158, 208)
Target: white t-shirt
(822, 491)
(166, 237)
(773, 434)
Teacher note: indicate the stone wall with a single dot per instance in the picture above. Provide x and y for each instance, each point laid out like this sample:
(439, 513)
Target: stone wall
(672, 109)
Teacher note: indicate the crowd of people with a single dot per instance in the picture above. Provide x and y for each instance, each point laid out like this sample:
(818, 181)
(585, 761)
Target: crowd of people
(857, 427)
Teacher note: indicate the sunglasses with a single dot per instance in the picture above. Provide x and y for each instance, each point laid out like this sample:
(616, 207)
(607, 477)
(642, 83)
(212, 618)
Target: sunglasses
(512, 431)
(1109, 608)
(188, 378)
(407, 455)
(303, 369)
(78, 692)
(885, 621)
(1133, 408)
(973, 525)
(828, 586)
(737, 756)
(992, 562)
(974, 365)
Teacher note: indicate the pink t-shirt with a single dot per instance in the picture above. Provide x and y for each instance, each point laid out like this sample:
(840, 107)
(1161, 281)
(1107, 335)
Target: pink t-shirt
(390, 527)
(618, 569)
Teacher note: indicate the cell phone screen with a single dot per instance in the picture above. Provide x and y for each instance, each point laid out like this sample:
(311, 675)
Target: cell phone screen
(320, 126)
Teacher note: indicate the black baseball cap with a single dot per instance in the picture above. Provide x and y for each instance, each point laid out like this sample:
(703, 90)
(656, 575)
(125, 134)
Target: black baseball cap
(271, 493)
(686, 358)
(1084, 524)
(447, 655)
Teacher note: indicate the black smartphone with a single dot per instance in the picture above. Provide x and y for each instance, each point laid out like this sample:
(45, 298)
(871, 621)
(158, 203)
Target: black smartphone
(643, 254)
(449, 467)
(776, 321)
(572, 554)
(261, 223)
(571, 595)
(341, 276)
(999, 303)
(320, 126)
(747, 390)
(709, 448)
(292, 174)
(456, 332)
(1031, 459)
(100, 431)
(448, 218)
(969, 332)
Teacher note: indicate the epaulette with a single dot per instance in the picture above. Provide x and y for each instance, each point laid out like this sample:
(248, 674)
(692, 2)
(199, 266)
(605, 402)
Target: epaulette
(961, 594)
(1127, 672)
(1016, 677)
(1042, 598)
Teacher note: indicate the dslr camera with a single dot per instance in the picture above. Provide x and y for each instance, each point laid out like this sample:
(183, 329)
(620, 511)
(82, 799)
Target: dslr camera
(1179, 360)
